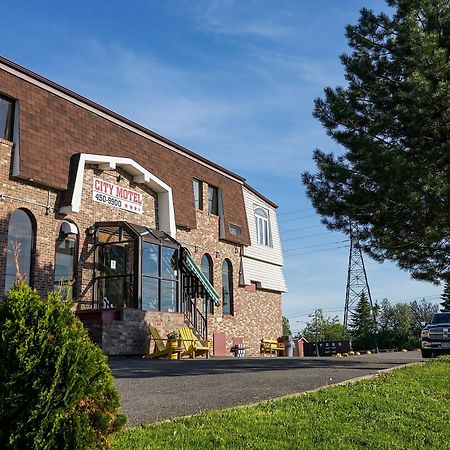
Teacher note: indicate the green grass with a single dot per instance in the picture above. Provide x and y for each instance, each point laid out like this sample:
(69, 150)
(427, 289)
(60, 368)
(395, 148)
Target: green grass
(405, 409)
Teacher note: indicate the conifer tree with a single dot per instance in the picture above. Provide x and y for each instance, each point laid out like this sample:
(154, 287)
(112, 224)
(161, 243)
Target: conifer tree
(362, 325)
(392, 120)
(445, 297)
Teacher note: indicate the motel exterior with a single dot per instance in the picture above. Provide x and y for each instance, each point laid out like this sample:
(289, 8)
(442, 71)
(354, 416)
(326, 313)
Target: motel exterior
(135, 228)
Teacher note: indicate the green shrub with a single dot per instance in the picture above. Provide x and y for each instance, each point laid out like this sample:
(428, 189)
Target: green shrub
(56, 389)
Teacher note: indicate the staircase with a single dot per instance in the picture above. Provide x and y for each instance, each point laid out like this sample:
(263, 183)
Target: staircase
(194, 317)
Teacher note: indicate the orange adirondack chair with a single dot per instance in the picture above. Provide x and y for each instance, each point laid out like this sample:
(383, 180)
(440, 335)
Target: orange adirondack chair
(191, 345)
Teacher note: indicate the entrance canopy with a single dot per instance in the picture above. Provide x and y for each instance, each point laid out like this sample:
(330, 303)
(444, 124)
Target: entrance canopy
(190, 266)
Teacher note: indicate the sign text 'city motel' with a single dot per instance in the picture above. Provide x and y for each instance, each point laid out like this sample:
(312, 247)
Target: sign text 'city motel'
(117, 196)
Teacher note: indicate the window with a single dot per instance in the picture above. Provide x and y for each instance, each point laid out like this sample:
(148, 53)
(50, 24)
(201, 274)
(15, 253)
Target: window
(115, 274)
(65, 259)
(198, 193)
(159, 277)
(234, 229)
(227, 287)
(135, 267)
(262, 227)
(206, 266)
(21, 232)
(213, 200)
(6, 118)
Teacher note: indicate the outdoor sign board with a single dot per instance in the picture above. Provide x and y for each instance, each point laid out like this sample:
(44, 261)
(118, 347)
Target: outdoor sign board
(117, 196)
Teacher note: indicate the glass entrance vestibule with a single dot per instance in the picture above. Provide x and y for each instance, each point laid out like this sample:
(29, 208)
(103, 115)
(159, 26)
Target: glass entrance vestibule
(135, 267)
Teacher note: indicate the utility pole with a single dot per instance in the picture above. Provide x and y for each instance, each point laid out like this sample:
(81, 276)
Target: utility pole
(317, 332)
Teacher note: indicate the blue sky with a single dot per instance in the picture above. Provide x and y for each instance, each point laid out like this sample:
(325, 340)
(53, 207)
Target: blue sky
(233, 80)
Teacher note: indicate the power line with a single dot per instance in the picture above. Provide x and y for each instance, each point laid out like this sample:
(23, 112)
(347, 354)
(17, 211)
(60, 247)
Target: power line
(317, 251)
(297, 218)
(311, 311)
(305, 237)
(293, 212)
(306, 313)
(298, 229)
(316, 245)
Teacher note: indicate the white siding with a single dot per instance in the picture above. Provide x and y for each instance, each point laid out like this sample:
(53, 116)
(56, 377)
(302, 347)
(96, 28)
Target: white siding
(270, 276)
(271, 254)
(262, 263)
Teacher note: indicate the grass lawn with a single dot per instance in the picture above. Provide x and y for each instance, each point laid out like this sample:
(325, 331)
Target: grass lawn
(405, 409)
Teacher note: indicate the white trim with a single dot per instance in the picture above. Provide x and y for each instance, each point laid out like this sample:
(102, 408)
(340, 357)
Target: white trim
(68, 227)
(16, 140)
(106, 116)
(166, 212)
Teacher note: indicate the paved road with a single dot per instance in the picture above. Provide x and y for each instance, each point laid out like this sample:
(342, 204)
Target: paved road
(161, 389)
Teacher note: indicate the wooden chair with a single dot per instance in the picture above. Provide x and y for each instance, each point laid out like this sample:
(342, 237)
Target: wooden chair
(272, 347)
(192, 347)
(161, 349)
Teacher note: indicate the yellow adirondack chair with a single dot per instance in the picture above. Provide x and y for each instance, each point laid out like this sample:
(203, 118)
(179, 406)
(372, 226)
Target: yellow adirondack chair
(191, 345)
(161, 349)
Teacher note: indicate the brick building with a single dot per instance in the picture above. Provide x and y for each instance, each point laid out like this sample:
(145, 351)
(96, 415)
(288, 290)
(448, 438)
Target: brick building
(136, 228)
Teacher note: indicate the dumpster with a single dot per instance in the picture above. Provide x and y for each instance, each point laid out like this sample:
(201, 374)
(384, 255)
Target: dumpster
(288, 342)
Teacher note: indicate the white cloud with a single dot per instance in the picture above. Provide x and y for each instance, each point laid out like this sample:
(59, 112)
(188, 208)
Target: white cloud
(234, 18)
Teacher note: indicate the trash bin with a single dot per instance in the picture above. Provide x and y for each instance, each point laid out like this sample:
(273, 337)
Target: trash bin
(288, 346)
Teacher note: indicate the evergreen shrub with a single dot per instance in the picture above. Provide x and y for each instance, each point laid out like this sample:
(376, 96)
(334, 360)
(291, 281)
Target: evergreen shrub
(56, 389)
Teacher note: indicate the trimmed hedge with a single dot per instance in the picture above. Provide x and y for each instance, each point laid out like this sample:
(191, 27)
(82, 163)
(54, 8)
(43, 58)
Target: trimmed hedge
(56, 389)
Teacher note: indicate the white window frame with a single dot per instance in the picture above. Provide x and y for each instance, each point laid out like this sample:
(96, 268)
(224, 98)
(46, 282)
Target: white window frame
(263, 234)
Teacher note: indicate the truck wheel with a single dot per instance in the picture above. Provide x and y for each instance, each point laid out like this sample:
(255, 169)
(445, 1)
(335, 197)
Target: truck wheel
(426, 353)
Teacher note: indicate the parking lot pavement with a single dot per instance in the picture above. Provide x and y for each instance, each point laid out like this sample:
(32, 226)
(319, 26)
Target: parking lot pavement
(154, 390)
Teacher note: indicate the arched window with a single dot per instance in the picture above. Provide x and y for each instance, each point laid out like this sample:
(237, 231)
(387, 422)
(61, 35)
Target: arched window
(65, 259)
(206, 266)
(227, 287)
(262, 227)
(21, 232)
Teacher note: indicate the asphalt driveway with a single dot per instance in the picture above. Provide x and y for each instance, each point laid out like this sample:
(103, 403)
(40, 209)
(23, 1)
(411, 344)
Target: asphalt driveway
(154, 390)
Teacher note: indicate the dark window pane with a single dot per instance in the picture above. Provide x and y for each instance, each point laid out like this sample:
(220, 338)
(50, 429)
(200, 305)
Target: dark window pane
(6, 118)
(227, 287)
(65, 250)
(213, 204)
(150, 294)
(20, 245)
(115, 259)
(207, 270)
(168, 296)
(169, 261)
(150, 259)
(198, 193)
(206, 267)
(114, 292)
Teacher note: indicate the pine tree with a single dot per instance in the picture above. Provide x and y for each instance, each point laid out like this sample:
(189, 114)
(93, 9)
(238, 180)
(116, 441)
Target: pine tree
(286, 327)
(362, 325)
(445, 297)
(393, 121)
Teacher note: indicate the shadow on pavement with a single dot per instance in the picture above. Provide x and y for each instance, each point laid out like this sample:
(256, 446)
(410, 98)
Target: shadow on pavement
(141, 368)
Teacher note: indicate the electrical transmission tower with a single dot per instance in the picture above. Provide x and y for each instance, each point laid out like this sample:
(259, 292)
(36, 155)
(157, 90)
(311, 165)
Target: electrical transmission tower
(356, 279)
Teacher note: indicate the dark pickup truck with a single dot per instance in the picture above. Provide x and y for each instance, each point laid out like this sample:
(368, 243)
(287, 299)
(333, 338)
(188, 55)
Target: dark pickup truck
(435, 337)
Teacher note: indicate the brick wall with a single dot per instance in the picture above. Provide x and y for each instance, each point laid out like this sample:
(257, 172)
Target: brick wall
(33, 198)
(257, 314)
(52, 129)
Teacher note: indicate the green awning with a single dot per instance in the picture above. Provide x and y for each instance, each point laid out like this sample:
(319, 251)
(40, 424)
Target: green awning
(190, 265)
